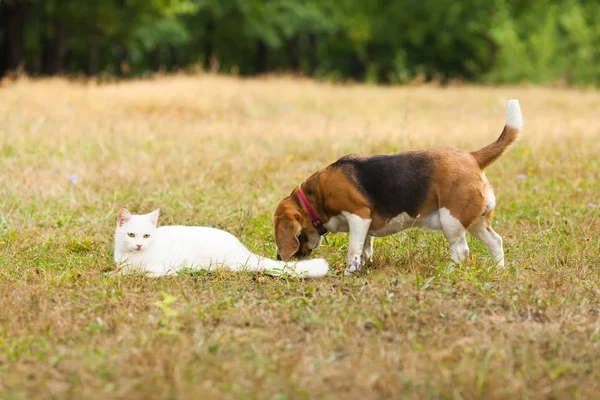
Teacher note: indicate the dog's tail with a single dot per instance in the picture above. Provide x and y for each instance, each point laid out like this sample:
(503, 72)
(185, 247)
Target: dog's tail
(510, 133)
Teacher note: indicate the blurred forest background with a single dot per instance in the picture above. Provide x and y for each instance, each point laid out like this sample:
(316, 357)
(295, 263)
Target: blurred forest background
(388, 41)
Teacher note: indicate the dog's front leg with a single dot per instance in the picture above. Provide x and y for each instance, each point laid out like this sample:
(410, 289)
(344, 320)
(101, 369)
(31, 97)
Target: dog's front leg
(358, 227)
(368, 250)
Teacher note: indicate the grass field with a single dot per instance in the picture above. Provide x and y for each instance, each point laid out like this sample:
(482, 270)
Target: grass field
(222, 152)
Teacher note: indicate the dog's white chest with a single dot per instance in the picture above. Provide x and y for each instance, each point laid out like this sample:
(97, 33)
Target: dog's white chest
(336, 224)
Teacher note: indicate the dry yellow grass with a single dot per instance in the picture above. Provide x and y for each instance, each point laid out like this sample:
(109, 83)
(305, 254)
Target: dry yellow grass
(223, 151)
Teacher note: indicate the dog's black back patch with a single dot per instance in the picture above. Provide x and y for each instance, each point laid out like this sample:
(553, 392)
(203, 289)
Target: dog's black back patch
(394, 183)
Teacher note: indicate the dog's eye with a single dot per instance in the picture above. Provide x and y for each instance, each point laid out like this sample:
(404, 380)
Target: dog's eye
(131, 235)
(146, 236)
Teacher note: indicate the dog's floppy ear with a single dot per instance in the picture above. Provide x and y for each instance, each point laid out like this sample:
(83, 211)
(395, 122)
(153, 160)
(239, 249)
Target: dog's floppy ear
(287, 230)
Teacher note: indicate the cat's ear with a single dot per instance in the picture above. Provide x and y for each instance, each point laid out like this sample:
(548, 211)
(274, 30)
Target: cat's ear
(123, 217)
(154, 216)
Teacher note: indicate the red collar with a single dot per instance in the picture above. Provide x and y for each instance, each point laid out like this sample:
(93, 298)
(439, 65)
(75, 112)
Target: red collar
(316, 221)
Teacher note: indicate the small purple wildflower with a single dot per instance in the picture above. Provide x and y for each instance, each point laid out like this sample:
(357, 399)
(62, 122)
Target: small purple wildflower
(592, 205)
(522, 177)
(73, 178)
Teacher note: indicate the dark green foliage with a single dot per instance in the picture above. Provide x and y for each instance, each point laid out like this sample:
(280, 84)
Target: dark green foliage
(501, 41)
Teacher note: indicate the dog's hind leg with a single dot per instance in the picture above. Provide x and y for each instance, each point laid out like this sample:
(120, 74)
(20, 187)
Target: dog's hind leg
(455, 234)
(482, 230)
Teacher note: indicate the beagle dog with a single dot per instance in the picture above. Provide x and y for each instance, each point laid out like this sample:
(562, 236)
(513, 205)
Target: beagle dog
(373, 196)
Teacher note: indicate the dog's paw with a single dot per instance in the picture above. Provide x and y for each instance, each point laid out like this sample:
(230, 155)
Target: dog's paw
(353, 268)
(366, 260)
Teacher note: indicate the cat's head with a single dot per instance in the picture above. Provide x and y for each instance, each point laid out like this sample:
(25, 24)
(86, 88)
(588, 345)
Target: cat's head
(135, 232)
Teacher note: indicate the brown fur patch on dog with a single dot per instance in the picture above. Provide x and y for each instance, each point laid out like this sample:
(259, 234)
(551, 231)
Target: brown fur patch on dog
(459, 184)
(340, 193)
(287, 228)
(490, 153)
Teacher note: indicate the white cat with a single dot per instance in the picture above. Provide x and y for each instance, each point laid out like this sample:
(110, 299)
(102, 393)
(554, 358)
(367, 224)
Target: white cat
(141, 246)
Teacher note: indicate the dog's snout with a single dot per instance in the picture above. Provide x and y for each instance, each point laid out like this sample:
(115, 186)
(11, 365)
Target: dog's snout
(301, 254)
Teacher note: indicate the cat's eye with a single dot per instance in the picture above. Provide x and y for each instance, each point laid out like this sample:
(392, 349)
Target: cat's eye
(146, 236)
(131, 234)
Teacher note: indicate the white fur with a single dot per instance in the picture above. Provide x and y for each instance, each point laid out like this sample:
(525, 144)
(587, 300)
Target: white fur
(314, 241)
(490, 197)
(514, 117)
(359, 227)
(338, 223)
(454, 232)
(490, 202)
(490, 239)
(341, 223)
(170, 248)
(368, 250)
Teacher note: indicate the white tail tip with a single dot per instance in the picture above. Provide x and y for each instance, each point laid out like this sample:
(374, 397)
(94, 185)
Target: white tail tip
(312, 269)
(514, 117)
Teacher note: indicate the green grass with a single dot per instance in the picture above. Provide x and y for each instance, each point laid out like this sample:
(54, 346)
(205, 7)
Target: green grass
(222, 152)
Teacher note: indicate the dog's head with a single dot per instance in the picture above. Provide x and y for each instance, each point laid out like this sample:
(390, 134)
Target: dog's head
(295, 235)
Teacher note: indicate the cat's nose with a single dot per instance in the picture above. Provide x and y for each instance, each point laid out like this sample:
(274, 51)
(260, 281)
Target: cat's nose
(139, 246)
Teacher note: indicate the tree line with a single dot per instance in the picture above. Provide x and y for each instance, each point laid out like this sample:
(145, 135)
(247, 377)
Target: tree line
(389, 41)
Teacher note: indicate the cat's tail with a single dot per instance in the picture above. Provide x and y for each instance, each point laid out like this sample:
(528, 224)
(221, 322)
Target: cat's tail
(302, 269)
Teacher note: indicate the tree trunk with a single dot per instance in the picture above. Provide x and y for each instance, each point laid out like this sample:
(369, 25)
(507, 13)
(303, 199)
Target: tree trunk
(209, 48)
(53, 46)
(177, 62)
(293, 51)
(356, 67)
(12, 54)
(93, 52)
(261, 60)
(46, 49)
(313, 60)
(93, 41)
(156, 60)
(122, 61)
(58, 57)
(4, 40)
